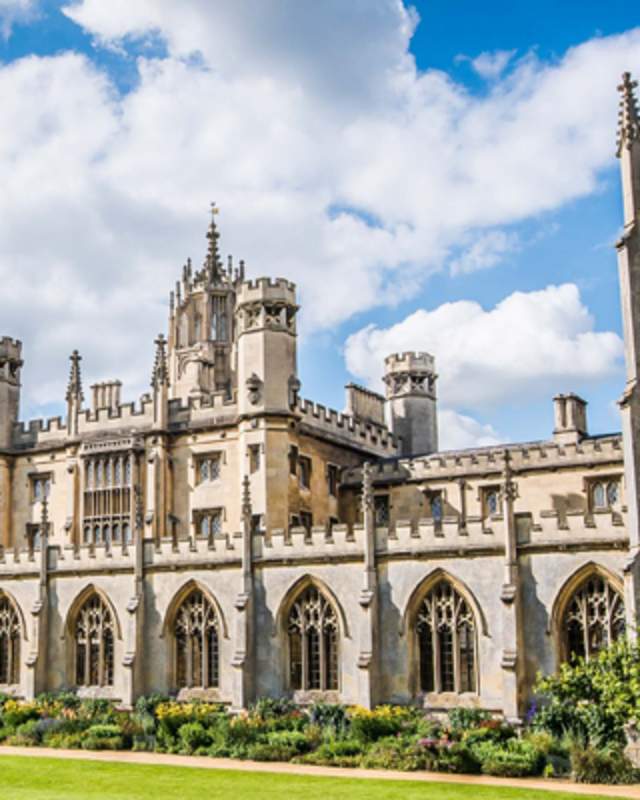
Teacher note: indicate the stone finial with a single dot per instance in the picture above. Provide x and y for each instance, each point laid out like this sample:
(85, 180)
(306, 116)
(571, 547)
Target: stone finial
(628, 122)
(213, 263)
(74, 387)
(160, 374)
(246, 497)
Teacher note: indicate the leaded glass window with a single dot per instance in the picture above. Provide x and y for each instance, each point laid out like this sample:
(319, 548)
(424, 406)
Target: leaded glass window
(312, 627)
(196, 632)
(9, 642)
(94, 640)
(594, 618)
(446, 638)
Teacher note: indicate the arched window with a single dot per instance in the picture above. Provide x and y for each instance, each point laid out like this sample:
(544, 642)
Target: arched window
(446, 633)
(312, 626)
(594, 617)
(197, 638)
(599, 497)
(94, 637)
(9, 642)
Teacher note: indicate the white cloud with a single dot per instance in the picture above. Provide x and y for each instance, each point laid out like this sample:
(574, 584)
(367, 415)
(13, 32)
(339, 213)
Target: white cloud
(12, 11)
(491, 65)
(459, 431)
(334, 161)
(487, 250)
(527, 346)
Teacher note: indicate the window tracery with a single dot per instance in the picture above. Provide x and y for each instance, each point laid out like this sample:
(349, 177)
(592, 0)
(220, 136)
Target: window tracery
(446, 633)
(196, 631)
(107, 499)
(94, 640)
(312, 628)
(594, 617)
(9, 642)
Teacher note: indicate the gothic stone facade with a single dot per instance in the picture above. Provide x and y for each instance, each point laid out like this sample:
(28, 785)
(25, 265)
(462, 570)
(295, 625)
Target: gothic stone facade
(224, 538)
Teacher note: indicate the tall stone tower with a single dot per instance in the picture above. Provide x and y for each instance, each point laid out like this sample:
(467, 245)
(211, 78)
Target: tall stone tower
(410, 408)
(629, 270)
(201, 325)
(10, 365)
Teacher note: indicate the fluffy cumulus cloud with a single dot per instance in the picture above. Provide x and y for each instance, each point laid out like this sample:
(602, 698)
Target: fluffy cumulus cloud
(335, 162)
(527, 346)
(12, 11)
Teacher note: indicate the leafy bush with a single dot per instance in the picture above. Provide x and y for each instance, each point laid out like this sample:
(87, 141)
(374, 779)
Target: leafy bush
(368, 726)
(335, 753)
(329, 715)
(593, 700)
(193, 737)
(515, 759)
(464, 719)
(457, 757)
(267, 708)
(65, 741)
(590, 765)
(16, 712)
(103, 737)
(398, 753)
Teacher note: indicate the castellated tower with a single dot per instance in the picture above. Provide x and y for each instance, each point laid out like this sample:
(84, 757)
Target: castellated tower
(410, 408)
(266, 346)
(10, 364)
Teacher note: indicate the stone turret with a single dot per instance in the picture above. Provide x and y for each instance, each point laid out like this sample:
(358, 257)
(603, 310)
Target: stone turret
(410, 407)
(200, 324)
(266, 342)
(10, 366)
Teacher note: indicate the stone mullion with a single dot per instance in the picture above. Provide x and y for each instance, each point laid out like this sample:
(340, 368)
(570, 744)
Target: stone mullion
(204, 655)
(435, 639)
(304, 658)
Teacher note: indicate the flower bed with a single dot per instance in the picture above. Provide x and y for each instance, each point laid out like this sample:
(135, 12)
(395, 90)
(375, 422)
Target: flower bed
(388, 737)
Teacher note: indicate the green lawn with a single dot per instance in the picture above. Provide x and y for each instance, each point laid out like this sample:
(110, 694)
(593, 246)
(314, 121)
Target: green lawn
(23, 778)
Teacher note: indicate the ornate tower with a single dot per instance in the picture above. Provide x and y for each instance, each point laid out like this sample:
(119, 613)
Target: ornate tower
(629, 271)
(10, 365)
(74, 396)
(201, 324)
(410, 408)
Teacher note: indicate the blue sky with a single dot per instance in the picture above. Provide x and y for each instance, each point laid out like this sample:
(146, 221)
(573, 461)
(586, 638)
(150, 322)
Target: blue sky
(357, 188)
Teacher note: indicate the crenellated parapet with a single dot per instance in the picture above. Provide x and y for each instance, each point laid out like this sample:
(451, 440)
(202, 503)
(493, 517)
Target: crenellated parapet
(343, 427)
(266, 303)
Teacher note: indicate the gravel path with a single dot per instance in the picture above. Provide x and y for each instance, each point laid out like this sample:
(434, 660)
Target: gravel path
(204, 762)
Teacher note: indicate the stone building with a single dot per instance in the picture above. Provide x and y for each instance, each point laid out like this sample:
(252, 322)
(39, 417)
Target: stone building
(225, 538)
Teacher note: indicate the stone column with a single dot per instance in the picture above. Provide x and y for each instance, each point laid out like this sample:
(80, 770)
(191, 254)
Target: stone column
(6, 539)
(133, 633)
(368, 597)
(36, 676)
(512, 655)
(243, 629)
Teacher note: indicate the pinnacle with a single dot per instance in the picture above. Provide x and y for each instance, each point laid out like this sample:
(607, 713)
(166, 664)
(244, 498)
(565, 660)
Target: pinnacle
(74, 387)
(628, 121)
(213, 262)
(160, 374)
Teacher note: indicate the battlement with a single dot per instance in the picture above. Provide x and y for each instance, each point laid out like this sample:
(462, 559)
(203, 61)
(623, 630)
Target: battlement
(363, 433)
(10, 348)
(410, 362)
(266, 290)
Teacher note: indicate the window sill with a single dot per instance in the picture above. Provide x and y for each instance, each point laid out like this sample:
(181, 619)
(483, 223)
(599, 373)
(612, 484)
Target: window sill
(309, 696)
(211, 694)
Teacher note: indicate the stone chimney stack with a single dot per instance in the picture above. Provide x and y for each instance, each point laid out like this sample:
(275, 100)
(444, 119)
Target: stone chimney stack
(570, 418)
(10, 366)
(410, 407)
(106, 395)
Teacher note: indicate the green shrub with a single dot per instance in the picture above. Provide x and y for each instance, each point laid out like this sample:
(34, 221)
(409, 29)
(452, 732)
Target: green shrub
(590, 765)
(16, 712)
(334, 753)
(457, 757)
(368, 726)
(266, 708)
(193, 736)
(65, 741)
(103, 736)
(464, 719)
(398, 753)
(516, 758)
(329, 715)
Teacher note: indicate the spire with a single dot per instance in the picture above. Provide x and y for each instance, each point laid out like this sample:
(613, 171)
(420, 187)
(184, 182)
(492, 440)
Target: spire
(74, 387)
(160, 374)
(628, 122)
(213, 262)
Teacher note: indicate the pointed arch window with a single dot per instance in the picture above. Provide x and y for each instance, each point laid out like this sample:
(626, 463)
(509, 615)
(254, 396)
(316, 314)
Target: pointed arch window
(446, 637)
(9, 642)
(197, 639)
(312, 628)
(94, 640)
(594, 617)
